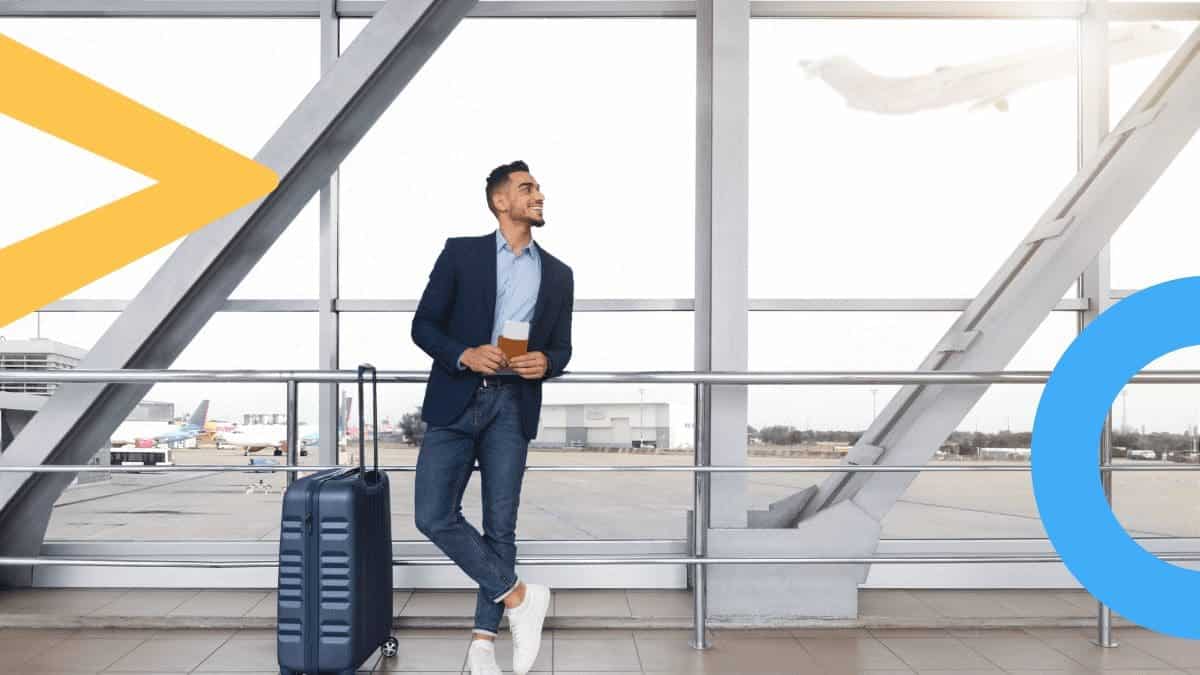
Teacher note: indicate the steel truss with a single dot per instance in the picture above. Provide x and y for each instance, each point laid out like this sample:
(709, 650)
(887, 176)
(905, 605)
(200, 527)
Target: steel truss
(1061, 246)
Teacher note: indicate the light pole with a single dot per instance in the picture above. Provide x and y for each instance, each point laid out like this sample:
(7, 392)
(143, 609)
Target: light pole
(1195, 432)
(641, 416)
(1124, 412)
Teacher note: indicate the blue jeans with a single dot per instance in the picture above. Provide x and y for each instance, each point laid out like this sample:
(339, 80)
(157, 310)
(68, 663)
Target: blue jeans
(488, 431)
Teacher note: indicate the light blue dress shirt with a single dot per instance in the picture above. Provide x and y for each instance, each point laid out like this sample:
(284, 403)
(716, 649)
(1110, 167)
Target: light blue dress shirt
(518, 278)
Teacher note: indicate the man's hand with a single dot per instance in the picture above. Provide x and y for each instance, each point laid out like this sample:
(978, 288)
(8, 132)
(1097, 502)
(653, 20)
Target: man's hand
(530, 365)
(484, 359)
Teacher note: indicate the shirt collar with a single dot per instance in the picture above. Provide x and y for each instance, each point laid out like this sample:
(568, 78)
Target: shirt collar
(502, 244)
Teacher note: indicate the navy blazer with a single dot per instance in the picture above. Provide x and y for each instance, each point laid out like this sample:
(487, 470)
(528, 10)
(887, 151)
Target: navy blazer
(457, 311)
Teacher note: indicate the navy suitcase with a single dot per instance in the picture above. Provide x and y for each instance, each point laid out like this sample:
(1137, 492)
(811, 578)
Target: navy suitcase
(335, 564)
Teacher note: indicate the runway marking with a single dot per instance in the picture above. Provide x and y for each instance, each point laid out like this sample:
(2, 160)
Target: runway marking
(139, 489)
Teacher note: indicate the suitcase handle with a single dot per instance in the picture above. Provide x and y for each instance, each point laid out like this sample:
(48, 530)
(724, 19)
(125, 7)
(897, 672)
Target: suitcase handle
(362, 428)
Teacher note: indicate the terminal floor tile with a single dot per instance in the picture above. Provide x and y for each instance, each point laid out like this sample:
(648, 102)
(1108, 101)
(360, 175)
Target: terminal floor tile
(817, 651)
(631, 609)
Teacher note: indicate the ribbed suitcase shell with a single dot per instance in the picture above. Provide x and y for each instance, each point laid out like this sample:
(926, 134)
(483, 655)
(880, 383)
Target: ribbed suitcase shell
(335, 571)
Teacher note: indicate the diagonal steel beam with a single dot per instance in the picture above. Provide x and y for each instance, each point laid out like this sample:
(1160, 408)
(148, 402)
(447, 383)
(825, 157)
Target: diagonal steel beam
(1067, 237)
(198, 278)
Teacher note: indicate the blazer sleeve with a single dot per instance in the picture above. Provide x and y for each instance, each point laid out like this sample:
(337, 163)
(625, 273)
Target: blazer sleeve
(433, 314)
(558, 349)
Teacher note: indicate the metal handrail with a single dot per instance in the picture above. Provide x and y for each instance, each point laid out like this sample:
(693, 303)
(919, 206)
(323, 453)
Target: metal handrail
(599, 377)
(581, 560)
(660, 468)
(701, 470)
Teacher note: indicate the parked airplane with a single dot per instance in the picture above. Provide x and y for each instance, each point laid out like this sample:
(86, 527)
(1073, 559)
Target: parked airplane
(131, 431)
(212, 427)
(984, 84)
(257, 437)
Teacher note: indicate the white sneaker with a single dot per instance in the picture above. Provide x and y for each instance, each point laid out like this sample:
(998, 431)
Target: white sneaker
(481, 657)
(525, 623)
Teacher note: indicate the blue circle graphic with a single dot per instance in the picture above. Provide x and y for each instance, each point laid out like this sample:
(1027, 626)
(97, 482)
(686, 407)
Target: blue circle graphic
(1066, 433)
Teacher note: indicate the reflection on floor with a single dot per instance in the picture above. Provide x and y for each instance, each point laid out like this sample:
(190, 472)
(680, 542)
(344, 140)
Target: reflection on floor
(570, 609)
(210, 631)
(824, 651)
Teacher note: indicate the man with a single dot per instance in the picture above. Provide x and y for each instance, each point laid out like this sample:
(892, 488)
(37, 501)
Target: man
(476, 413)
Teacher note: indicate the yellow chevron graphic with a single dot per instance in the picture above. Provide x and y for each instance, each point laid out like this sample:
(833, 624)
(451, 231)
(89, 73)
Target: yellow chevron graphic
(197, 180)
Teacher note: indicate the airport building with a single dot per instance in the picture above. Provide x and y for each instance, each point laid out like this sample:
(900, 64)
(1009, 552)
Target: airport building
(604, 425)
(876, 227)
(153, 411)
(36, 354)
(264, 418)
(19, 401)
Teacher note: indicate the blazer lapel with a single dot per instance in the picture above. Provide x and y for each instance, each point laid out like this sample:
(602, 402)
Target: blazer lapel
(539, 306)
(488, 253)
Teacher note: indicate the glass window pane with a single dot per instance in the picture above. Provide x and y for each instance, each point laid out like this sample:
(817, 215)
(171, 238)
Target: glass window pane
(834, 341)
(844, 340)
(215, 506)
(828, 419)
(290, 269)
(1136, 67)
(987, 504)
(1154, 423)
(1156, 242)
(233, 80)
(78, 329)
(926, 200)
(608, 132)
(229, 341)
(875, 341)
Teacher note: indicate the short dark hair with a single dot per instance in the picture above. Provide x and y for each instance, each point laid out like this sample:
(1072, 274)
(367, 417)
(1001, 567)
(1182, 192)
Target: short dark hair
(499, 178)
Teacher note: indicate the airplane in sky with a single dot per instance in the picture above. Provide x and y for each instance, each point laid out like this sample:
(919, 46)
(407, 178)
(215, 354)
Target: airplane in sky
(983, 84)
(130, 432)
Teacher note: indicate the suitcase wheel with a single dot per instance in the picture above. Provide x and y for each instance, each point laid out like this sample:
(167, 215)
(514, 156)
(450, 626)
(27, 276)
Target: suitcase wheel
(390, 647)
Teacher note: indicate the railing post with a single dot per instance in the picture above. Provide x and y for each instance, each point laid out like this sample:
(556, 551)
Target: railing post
(293, 428)
(1104, 636)
(700, 510)
(1095, 284)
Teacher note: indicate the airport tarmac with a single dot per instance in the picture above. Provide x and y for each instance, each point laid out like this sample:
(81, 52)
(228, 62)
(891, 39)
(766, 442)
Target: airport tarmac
(149, 506)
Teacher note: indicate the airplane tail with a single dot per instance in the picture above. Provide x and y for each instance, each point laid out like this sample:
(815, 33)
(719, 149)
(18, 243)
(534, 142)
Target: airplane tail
(811, 68)
(842, 73)
(200, 416)
(343, 418)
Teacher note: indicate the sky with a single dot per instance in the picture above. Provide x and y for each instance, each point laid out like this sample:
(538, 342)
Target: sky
(843, 203)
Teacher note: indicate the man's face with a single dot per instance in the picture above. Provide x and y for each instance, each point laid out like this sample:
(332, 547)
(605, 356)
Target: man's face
(522, 199)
